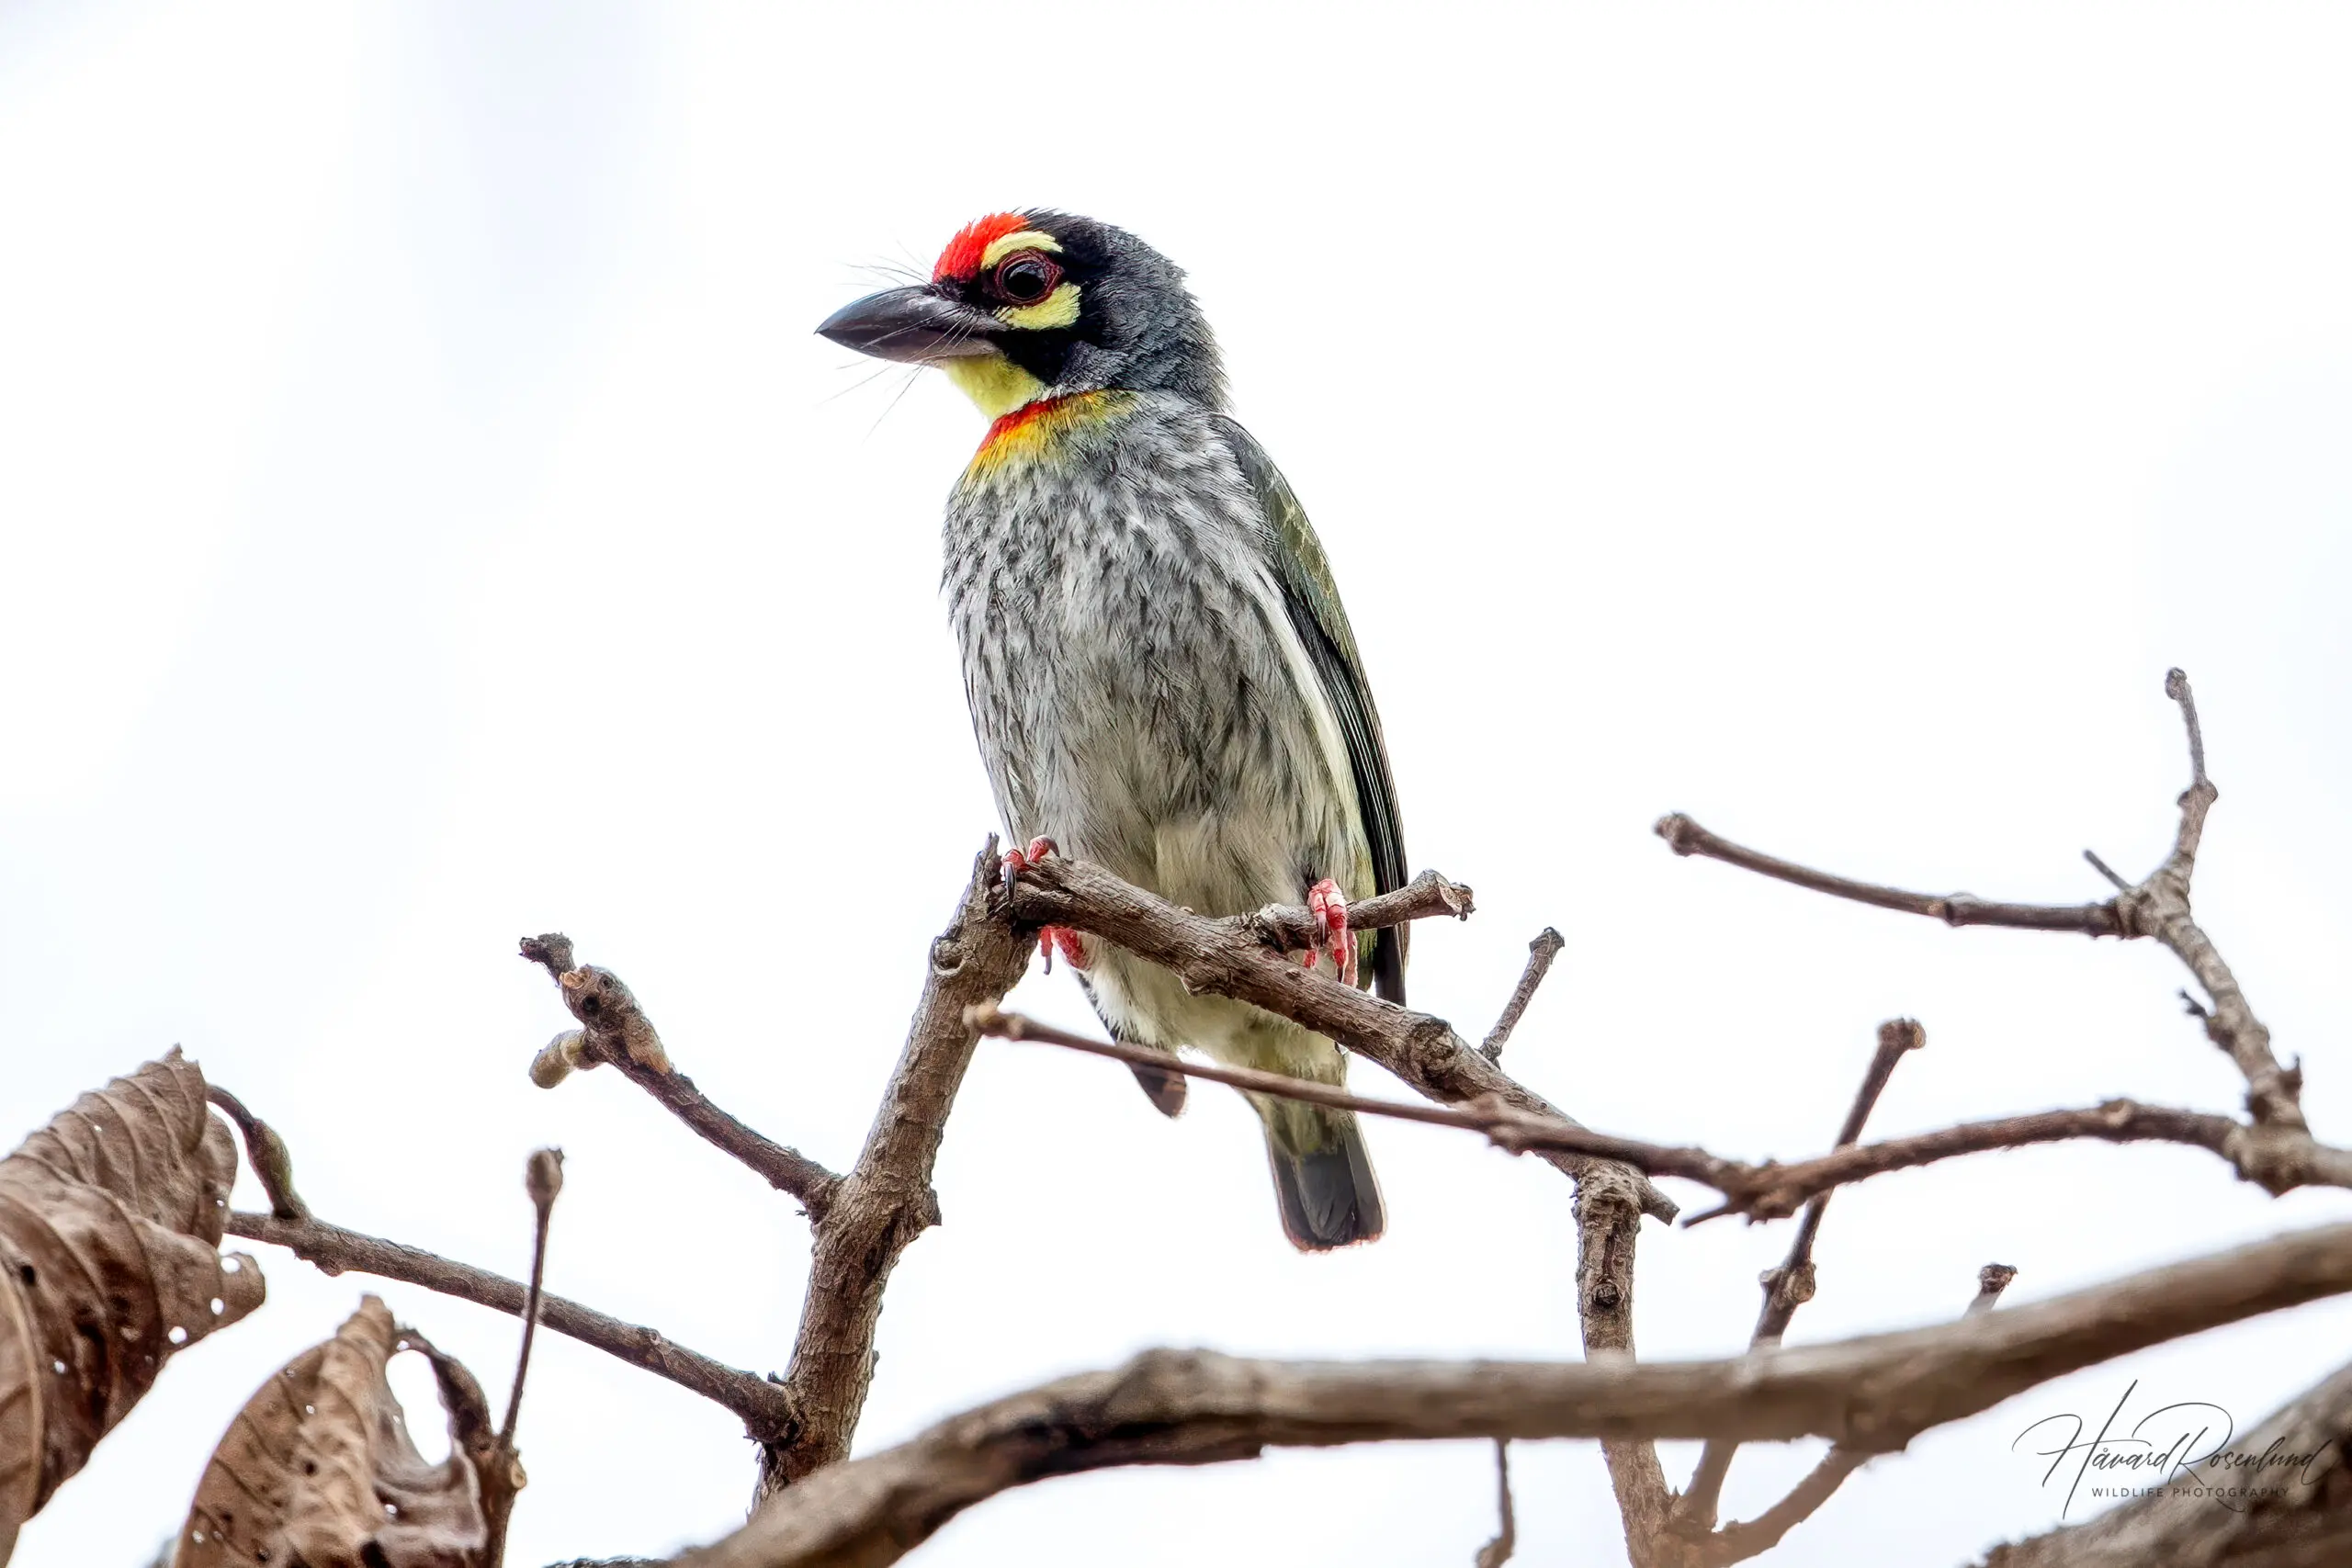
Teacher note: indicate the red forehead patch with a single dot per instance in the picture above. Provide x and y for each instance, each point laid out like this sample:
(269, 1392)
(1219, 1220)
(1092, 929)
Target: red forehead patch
(961, 259)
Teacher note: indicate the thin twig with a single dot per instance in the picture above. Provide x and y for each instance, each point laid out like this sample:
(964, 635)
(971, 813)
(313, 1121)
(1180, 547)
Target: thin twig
(2107, 871)
(1498, 1551)
(1539, 953)
(1686, 837)
(2176, 688)
(1870, 1395)
(1231, 957)
(270, 1160)
(1790, 1285)
(2156, 907)
(1752, 1537)
(614, 1029)
(766, 1408)
(1770, 1191)
(2159, 908)
(542, 1180)
(1739, 1542)
(2275, 1160)
(994, 1022)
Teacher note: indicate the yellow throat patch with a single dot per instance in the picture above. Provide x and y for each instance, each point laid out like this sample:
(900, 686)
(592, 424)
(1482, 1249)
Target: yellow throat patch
(994, 382)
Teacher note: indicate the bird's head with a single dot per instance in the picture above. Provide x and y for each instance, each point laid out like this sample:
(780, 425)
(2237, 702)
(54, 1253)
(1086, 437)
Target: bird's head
(1023, 306)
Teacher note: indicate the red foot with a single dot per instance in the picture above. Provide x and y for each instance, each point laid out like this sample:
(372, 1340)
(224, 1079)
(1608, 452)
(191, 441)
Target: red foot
(1018, 861)
(1071, 945)
(1050, 939)
(1330, 907)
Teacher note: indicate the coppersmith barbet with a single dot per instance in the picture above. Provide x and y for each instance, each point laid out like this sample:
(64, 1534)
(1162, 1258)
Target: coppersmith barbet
(1161, 675)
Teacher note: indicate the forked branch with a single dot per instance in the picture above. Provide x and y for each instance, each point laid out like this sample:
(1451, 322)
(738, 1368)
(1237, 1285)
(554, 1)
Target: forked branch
(886, 1200)
(1790, 1285)
(1870, 1395)
(1770, 1191)
(614, 1029)
(765, 1409)
(1238, 958)
(2157, 907)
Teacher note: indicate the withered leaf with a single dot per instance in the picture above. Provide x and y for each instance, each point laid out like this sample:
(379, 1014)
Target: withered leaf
(111, 1221)
(318, 1469)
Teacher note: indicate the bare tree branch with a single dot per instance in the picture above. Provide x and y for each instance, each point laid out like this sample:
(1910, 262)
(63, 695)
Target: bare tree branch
(542, 1180)
(1539, 953)
(2114, 877)
(2273, 1158)
(2157, 907)
(1739, 1542)
(1288, 927)
(1498, 1551)
(886, 1200)
(766, 1408)
(1609, 1230)
(1790, 1285)
(1685, 837)
(1231, 958)
(498, 1466)
(2307, 1524)
(614, 1029)
(1501, 1122)
(1870, 1394)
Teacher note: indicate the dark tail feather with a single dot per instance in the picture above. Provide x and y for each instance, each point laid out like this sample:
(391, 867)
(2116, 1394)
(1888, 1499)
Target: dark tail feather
(1165, 1088)
(1388, 963)
(1329, 1197)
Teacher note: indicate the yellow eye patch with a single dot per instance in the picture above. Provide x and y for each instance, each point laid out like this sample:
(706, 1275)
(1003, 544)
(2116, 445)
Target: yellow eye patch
(1058, 308)
(1004, 245)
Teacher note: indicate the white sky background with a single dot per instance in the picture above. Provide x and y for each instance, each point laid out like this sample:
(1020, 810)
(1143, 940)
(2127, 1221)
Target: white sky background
(429, 519)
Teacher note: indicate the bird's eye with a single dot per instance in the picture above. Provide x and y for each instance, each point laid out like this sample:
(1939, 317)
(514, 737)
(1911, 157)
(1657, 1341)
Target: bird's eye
(1025, 277)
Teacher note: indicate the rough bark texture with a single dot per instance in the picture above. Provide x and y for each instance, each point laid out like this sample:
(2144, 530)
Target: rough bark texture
(1231, 958)
(614, 1029)
(766, 1408)
(1869, 1395)
(2309, 1526)
(886, 1200)
(1609, 1227)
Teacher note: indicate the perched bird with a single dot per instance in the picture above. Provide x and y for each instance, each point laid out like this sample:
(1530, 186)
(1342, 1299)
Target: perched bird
(1161, 675)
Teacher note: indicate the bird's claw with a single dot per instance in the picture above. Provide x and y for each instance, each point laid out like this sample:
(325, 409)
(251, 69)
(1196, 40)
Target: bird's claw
(1050, 939)
(1328, 907)
(1018, 861)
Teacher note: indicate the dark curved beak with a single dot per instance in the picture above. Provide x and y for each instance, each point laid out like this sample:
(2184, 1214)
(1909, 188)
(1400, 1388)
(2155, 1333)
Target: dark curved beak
(911, 325)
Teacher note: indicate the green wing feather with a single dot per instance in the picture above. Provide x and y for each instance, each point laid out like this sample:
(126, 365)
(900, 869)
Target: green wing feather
(1313, 600)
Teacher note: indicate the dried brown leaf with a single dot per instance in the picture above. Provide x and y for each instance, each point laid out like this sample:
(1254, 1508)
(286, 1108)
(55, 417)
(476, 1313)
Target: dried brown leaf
(110, 1222)
(318, 1469)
